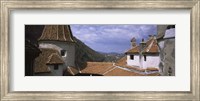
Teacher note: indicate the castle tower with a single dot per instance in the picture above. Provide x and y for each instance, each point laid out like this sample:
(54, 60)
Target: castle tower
(60, 38)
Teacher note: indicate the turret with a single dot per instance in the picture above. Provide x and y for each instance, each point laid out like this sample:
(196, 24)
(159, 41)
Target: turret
(60, 39)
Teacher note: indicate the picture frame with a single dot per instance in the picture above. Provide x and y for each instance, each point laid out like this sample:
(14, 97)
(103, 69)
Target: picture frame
(7, 6)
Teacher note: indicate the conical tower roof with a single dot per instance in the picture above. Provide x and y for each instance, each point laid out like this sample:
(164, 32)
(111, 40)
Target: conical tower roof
(57, 33)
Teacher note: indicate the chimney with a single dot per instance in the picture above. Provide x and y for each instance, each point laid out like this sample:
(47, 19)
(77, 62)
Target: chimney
(151, 36)
(142, 45)
(133, 42)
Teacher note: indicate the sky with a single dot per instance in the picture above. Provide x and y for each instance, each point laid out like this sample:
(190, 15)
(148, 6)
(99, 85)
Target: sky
(112, 38)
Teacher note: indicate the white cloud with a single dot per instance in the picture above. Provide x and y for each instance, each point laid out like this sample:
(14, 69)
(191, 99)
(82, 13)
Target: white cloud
(116, 37)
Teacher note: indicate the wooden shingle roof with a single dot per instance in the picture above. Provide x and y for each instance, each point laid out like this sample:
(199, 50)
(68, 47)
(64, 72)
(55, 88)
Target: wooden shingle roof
(47, 56)
(57, 33)
(54, 58)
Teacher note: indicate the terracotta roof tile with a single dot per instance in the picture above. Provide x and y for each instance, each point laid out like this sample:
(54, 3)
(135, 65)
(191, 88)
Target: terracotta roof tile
(151, 46)
(107, 69)
(122, 61)
(97, 67)
(134, 50)
(120, 72)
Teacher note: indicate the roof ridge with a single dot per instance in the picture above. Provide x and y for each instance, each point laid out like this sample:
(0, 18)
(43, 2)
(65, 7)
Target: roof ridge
(119, 67)
(49, 57)
(149, 47)
(110, 70)
(70, 70)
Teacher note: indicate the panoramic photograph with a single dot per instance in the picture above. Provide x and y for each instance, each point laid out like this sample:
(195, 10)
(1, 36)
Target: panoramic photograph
(100, 50)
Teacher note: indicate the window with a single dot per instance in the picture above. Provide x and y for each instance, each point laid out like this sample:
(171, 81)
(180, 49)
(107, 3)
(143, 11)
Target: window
(145, 58)
(132, 57)
(63, 52)
(56, 67)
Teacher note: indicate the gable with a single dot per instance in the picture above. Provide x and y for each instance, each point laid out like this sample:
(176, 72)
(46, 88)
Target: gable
(46, 56)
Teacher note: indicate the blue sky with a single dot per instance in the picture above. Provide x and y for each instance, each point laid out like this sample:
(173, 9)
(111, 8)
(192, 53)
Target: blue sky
(112, 38)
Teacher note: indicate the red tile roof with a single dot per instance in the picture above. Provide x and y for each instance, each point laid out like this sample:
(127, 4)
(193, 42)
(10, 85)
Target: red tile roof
(151, 46)
(97, 67)
(107, 69)
(134, 50)
(120, 72)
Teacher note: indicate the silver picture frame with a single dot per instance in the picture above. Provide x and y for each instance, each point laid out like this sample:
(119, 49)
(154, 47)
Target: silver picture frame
(8, 5)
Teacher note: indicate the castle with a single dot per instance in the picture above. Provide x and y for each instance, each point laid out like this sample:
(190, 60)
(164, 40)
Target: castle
(144, 55)
(57, 51)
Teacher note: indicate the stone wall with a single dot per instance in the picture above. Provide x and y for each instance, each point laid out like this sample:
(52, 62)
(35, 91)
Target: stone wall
(167, 51)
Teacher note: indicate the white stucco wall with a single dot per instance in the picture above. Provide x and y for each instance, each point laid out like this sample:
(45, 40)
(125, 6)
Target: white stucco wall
(151, 61)
(135, 62)
(69, 59)
(58, 72)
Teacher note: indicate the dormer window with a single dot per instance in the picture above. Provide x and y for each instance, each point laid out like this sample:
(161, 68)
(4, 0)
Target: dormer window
(63, 52)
